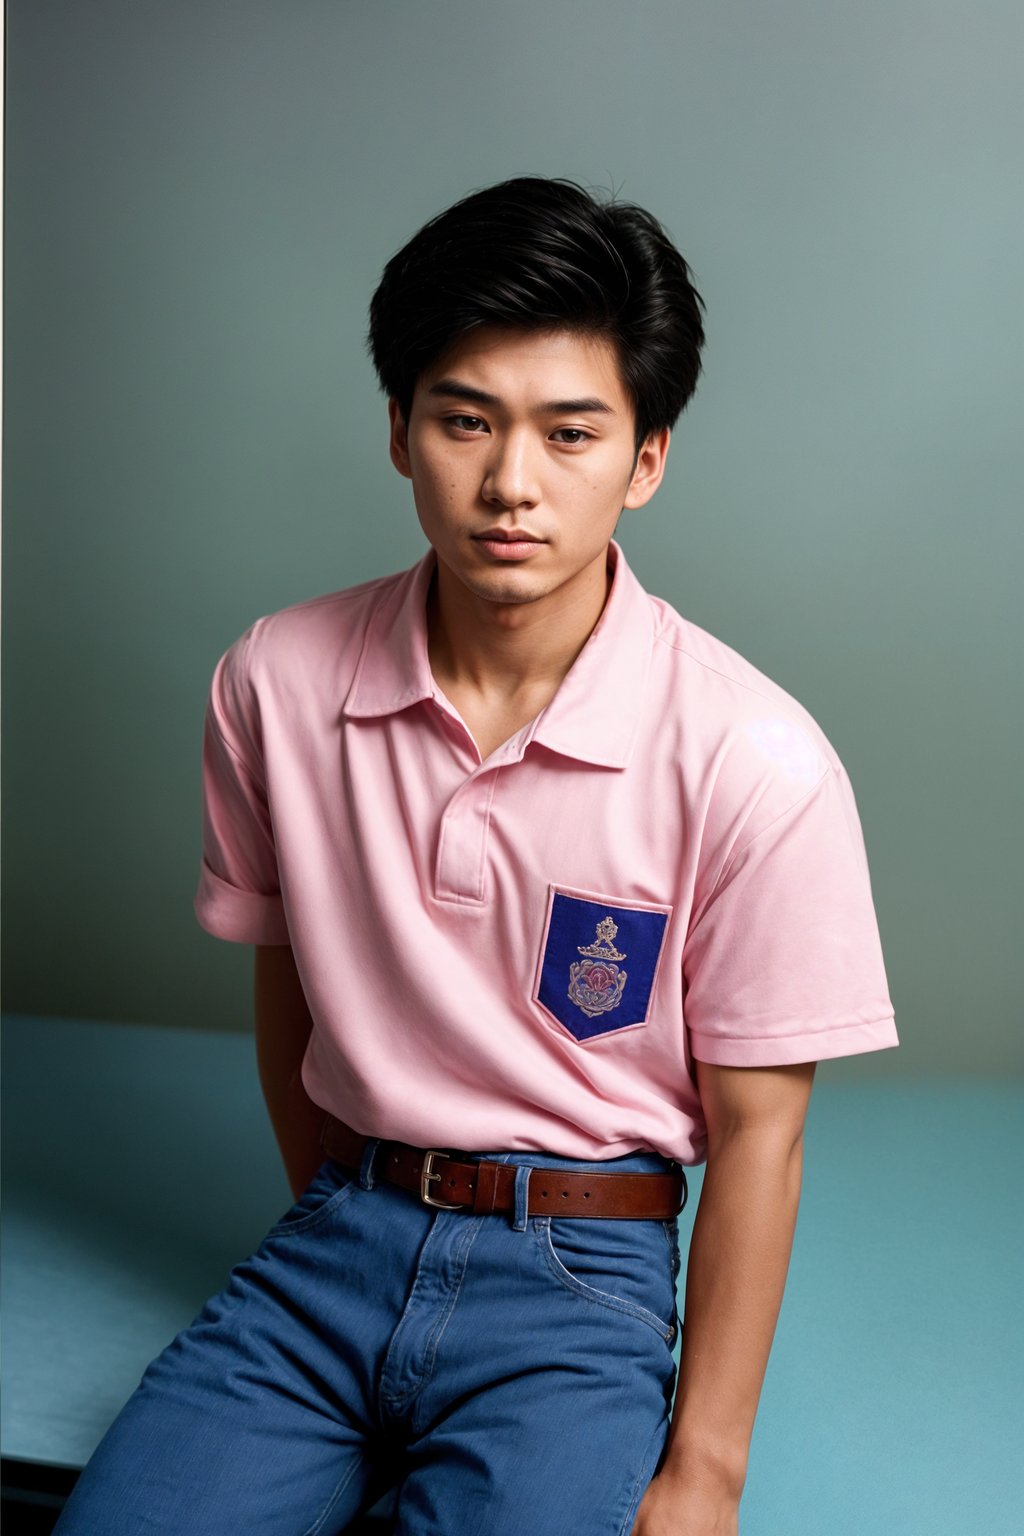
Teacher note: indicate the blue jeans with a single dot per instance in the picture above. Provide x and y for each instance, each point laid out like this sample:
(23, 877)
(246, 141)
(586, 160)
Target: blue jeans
(512, 1375)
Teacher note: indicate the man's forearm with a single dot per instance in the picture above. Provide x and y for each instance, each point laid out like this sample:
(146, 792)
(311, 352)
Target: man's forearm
(283, 1026)
(297, 1123)
(739, 1257)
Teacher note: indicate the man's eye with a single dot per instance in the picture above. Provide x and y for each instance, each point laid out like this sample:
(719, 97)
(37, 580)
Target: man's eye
(467, 423)
(571, 435)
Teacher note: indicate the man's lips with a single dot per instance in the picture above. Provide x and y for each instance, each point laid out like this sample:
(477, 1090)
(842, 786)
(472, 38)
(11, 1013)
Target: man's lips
(508, 536)
(508, 543)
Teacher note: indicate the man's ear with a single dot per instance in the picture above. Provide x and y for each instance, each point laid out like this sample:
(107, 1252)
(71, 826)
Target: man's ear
(399, 443)
(649, 469)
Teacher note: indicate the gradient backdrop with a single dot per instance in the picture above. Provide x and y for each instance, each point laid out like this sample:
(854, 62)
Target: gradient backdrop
(200, 197)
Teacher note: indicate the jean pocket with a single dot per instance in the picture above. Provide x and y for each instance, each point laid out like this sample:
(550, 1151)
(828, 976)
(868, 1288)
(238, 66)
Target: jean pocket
(329, 1186)
(629, 1265)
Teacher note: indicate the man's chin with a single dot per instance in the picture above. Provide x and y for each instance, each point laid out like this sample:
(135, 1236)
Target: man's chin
(505, 584)
(505, 588)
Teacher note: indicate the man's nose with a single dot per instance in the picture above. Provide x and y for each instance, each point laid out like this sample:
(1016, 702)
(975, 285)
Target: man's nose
(511, 476)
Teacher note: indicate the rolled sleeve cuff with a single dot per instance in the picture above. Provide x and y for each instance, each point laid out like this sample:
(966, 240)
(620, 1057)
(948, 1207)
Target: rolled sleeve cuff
(241, 917)
(786, 1050)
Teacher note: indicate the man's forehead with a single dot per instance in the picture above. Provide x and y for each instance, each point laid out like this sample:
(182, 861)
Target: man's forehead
(557, 368)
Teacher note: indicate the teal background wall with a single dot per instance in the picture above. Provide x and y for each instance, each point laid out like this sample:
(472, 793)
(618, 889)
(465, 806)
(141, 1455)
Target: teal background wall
(199, 199)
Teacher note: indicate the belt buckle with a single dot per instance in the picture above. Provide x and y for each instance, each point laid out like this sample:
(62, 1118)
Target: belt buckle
(427, 1176)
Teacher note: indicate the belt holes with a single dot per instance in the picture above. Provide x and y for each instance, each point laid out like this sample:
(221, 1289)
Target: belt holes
(543, 1194)
(586, 1194)
(565, 1194)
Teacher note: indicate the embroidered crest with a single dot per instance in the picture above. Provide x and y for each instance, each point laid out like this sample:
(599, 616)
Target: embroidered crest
(596, 984)
(581, 980)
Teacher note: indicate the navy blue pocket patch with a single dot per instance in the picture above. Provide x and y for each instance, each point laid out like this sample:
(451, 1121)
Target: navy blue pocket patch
(599, 964)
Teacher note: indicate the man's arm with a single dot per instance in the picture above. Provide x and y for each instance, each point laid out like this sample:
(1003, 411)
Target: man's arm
(283, 1026)
(739, 1256)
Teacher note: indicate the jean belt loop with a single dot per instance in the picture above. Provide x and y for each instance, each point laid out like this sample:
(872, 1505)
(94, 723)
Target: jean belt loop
(522, 1198)
(366, 1166)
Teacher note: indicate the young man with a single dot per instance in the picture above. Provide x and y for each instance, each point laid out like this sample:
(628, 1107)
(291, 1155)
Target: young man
(551, 893)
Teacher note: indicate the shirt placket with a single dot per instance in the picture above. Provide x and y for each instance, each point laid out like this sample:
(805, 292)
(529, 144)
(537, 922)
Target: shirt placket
(461, 867)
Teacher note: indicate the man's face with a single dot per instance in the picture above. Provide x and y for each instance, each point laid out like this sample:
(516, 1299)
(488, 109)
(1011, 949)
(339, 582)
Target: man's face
(520, 449)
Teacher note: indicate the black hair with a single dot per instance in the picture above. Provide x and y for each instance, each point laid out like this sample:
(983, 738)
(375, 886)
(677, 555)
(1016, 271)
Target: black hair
(536, 254)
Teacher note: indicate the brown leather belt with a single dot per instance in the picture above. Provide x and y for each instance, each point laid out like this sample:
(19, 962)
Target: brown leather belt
(447, 1184)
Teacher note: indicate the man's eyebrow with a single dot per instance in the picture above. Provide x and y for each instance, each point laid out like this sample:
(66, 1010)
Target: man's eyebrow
(589, 404)
(457, 390)
(460, 391)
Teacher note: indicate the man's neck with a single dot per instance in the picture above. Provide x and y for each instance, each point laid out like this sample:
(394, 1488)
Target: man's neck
(502, 651)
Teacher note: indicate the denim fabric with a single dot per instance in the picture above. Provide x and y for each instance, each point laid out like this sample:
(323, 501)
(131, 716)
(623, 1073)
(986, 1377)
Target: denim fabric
(512, 1379)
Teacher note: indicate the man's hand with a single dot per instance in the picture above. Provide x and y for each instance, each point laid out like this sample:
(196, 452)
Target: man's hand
(685, 1507)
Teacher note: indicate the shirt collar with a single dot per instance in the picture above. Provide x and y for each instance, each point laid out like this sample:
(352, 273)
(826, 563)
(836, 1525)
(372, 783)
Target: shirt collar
(593, 716)
(393, 669)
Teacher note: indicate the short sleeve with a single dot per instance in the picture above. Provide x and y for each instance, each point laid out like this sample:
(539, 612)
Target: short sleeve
(239, 894)
(784, 961)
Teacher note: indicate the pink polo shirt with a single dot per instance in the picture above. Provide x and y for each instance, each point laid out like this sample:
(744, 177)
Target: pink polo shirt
(529, 952)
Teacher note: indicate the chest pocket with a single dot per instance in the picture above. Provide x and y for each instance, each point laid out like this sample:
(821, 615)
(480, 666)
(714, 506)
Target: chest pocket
(599, 963)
